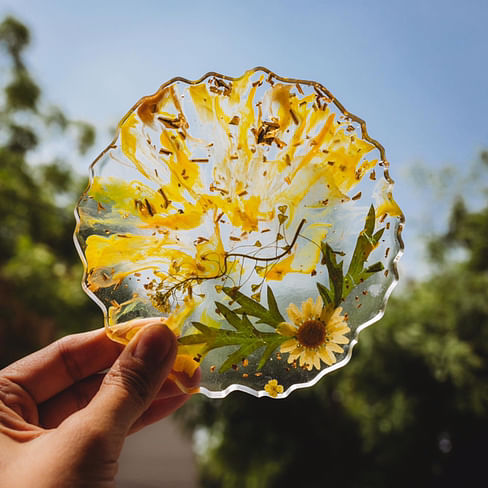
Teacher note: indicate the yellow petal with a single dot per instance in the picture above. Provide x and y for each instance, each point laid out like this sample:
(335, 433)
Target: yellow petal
(309, 357)
(326, 356)
(270, 389)
(339, 330)
(334, 323)
(327, 313)
(339, 339)
(316, 361)
(317, 309)
(336, 318)
(286, 329)
(294, 314)
(331, 346)
(337, 311)
(294, 354)
(307, 309)
(288, 346)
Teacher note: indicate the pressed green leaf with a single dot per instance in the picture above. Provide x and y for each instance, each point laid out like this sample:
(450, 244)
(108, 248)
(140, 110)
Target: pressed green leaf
(192, 339)
(370, 221)
(213, 336)
(244, 333)
(233, 318)
(336, 277)
(377, 236)
(341, 286)
(237, 356)
(365, 244)
(374, 268)
(272, 344)
(371, 270)
(273, 306)
(253, 308)
(203, 328)
(324, 293)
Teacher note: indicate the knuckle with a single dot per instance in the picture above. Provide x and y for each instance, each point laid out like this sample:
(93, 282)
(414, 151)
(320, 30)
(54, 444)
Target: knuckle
(71, 365)
(5, 387)
(132, 378)
(16, 398)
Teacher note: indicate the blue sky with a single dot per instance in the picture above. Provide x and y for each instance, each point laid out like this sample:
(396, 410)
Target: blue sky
(415, 71)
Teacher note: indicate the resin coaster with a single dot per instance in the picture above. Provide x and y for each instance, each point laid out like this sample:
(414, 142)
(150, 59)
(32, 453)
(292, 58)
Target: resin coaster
(255, 216)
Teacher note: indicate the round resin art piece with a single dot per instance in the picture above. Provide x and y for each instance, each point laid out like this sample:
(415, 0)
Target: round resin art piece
(255, 217)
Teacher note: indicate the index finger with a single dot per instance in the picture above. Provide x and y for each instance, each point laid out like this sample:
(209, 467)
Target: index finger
(51, 370)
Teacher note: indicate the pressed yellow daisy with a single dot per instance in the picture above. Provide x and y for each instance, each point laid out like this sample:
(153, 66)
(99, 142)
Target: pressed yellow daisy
(315, 334)
(273, 388)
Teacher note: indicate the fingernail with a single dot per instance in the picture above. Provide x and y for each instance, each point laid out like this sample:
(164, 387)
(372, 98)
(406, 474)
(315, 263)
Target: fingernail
(153, 344)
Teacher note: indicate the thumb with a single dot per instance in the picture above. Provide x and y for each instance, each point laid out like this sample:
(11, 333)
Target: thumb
(134, 380)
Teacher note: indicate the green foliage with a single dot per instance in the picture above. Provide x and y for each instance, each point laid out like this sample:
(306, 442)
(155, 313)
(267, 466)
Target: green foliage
(22, 139)
(14, 37)
(336, 277)
(411, 408)
(367, 241)
(40, 273)
(339, 285)
(251, 307)
(245, 335)
(22, 92)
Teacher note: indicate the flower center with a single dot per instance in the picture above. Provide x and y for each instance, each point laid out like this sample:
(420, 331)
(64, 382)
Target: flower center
(311, 333)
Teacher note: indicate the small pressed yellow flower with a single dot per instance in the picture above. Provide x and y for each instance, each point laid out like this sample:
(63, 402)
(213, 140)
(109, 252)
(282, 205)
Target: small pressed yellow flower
(315, 334)
(273, 388)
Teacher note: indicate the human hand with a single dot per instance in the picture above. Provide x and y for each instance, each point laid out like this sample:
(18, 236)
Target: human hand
(63, 424)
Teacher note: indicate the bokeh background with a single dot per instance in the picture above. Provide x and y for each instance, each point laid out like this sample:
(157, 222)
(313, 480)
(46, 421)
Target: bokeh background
(411, 409)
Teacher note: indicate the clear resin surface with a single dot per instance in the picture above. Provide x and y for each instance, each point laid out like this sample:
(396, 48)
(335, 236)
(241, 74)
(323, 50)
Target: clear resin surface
(255, 216)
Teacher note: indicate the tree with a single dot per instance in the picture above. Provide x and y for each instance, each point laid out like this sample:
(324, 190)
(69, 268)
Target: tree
(409, 410)
(40, 274)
